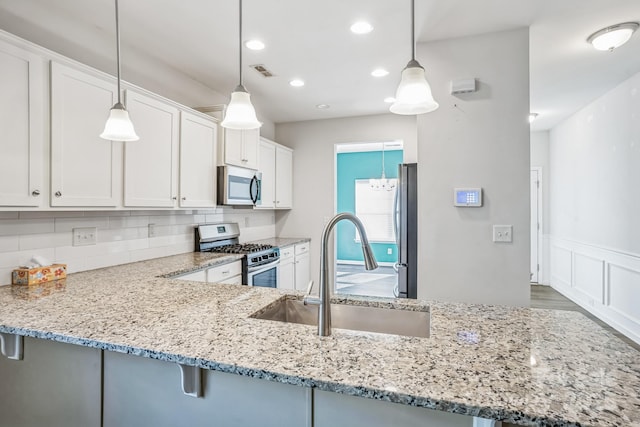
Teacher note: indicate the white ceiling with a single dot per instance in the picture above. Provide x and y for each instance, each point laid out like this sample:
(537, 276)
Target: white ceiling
(311, 40)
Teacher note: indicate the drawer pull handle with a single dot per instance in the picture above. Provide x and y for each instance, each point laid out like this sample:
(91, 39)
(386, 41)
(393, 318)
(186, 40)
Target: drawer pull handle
(58, 194)
(35, 193)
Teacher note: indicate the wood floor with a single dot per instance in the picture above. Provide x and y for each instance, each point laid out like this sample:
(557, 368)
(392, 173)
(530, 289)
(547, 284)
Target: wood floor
(547, 297)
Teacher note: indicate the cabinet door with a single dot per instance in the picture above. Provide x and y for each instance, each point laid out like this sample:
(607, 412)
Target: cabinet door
(86, 170)
(146, 392)
(198, 137)
(267, 165)
(150, 164)
(224, 272)
(303, 275)
(56, 385)
(284, 178)
(286, 275)
(250, 140)
(233, 151)
(21, 118)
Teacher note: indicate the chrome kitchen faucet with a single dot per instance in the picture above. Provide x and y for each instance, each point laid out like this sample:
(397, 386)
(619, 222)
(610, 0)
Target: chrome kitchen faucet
(324, 299)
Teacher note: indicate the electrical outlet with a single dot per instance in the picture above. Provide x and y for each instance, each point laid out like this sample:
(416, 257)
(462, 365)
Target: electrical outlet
(85, 236)
(503, 233)
(152, 230)
(389, 251)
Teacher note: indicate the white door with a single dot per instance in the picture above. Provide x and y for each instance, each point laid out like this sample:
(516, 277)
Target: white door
(150, 164)
(535, 224)
(86, 170)
(21, 118)
(198, 137)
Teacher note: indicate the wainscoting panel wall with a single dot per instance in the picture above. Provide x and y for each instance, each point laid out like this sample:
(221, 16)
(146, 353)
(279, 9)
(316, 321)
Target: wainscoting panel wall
(603, 281)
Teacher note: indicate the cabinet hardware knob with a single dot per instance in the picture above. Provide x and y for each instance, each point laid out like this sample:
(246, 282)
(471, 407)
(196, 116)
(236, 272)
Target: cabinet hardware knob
(184, 198)
(174, 198)
(35, 193)
(226, 272)
(58, 194)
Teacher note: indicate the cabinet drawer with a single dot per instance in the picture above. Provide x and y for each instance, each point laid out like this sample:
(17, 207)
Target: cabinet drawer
(235, 280)
(226, 271)
(287, 253)
(302, 248)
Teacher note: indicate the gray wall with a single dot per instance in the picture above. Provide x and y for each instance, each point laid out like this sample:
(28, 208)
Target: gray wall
(475, 140)
(314, 167)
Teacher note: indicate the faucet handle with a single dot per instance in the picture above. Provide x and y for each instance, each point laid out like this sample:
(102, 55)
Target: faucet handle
(309, 287)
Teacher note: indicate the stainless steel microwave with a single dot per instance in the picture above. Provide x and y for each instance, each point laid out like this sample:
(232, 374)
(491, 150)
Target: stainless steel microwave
(238, 186)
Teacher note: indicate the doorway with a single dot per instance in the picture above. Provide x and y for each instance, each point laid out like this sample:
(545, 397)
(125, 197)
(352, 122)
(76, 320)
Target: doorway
(366, 181)
(536, 222)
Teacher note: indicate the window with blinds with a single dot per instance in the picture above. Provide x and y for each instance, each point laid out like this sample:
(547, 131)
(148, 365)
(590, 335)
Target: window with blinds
(375, 209)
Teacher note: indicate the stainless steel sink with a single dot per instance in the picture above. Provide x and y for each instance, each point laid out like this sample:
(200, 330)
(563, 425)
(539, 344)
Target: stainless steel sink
(355, 317)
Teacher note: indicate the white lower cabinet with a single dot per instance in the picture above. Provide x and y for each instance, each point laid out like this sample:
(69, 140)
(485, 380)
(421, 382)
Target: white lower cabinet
(86, 170)
(145, 392)
(333, 409)
(229, 274)
(286, 269)
(303, 266)
(21, 121)
(151, 163)
(54, 385)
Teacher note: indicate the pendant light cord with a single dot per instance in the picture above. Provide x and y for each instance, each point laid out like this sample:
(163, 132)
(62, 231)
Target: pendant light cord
(413, 30)
(118, 48)
(240, 39)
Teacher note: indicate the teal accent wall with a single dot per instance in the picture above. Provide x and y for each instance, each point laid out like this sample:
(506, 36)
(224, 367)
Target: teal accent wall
(365, 165)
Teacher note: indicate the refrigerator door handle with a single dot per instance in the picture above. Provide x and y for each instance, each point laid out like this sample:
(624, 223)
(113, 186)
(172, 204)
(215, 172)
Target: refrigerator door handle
(396, 213)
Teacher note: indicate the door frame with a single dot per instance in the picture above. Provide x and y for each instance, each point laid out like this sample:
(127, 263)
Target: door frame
(537, 256)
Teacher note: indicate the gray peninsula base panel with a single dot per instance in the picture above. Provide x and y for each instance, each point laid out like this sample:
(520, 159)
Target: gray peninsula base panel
(525, 366)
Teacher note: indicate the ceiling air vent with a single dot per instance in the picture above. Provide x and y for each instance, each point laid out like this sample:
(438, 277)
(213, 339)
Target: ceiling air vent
(262, 70)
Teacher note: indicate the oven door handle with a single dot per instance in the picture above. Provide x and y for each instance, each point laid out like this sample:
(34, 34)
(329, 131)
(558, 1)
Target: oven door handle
(262, 267)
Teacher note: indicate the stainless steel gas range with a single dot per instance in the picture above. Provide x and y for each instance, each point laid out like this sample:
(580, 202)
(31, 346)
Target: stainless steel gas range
(260, 261)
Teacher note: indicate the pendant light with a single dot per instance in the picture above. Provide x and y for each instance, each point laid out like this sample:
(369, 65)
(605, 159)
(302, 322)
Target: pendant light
(413, 95)
(119, 126)
(382, 183)
(240, 113)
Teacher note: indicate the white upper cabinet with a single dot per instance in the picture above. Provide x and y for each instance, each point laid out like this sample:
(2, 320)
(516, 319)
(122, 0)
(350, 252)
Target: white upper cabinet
(21, 121)
(276, 164)
(198, 138)
(241, 147)
(284, 178)
(151, 163)
(267, 165)
(86, 170)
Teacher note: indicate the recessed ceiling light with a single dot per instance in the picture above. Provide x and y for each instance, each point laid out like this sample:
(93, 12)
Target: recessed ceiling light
(322, 106)
(389, 100)
(254, 44)
(379, 72)
(612, 37)
(296, 83)
(532, 117)
(361, 27)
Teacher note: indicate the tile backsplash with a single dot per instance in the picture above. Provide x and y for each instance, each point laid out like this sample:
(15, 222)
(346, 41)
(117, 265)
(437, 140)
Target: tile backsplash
(122, 236)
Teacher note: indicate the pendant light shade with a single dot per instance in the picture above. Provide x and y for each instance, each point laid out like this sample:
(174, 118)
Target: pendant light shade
(119, 126)
(240, 113)
(413, 95)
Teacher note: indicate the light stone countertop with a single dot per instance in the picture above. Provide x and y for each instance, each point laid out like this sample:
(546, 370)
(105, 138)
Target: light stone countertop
(526, 366)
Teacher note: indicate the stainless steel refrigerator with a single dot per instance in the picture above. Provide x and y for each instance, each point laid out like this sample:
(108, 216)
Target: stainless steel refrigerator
(406, 229)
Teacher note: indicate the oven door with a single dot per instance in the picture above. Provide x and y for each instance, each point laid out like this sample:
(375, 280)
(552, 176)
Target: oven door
(265, 275)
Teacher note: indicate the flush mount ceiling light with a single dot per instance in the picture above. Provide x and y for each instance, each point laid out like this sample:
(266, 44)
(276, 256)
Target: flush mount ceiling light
(296, 83)
(322, 106)
(254, 44)
(361, 27)
(612, 37)
(379, 72)
(240, 113)
(413, 95)
(532, 117)
(119, 126)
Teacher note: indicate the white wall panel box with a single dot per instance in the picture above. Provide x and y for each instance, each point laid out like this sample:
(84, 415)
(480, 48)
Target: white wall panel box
(463, 86)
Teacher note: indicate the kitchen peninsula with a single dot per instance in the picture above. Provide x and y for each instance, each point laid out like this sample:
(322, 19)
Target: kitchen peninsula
(525, 366)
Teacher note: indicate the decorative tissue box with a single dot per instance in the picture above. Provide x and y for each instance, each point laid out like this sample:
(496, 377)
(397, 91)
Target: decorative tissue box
(32, 276)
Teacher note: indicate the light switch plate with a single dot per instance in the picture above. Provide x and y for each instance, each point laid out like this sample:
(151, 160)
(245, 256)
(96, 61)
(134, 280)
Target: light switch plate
(503, 233)
(85, 236)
